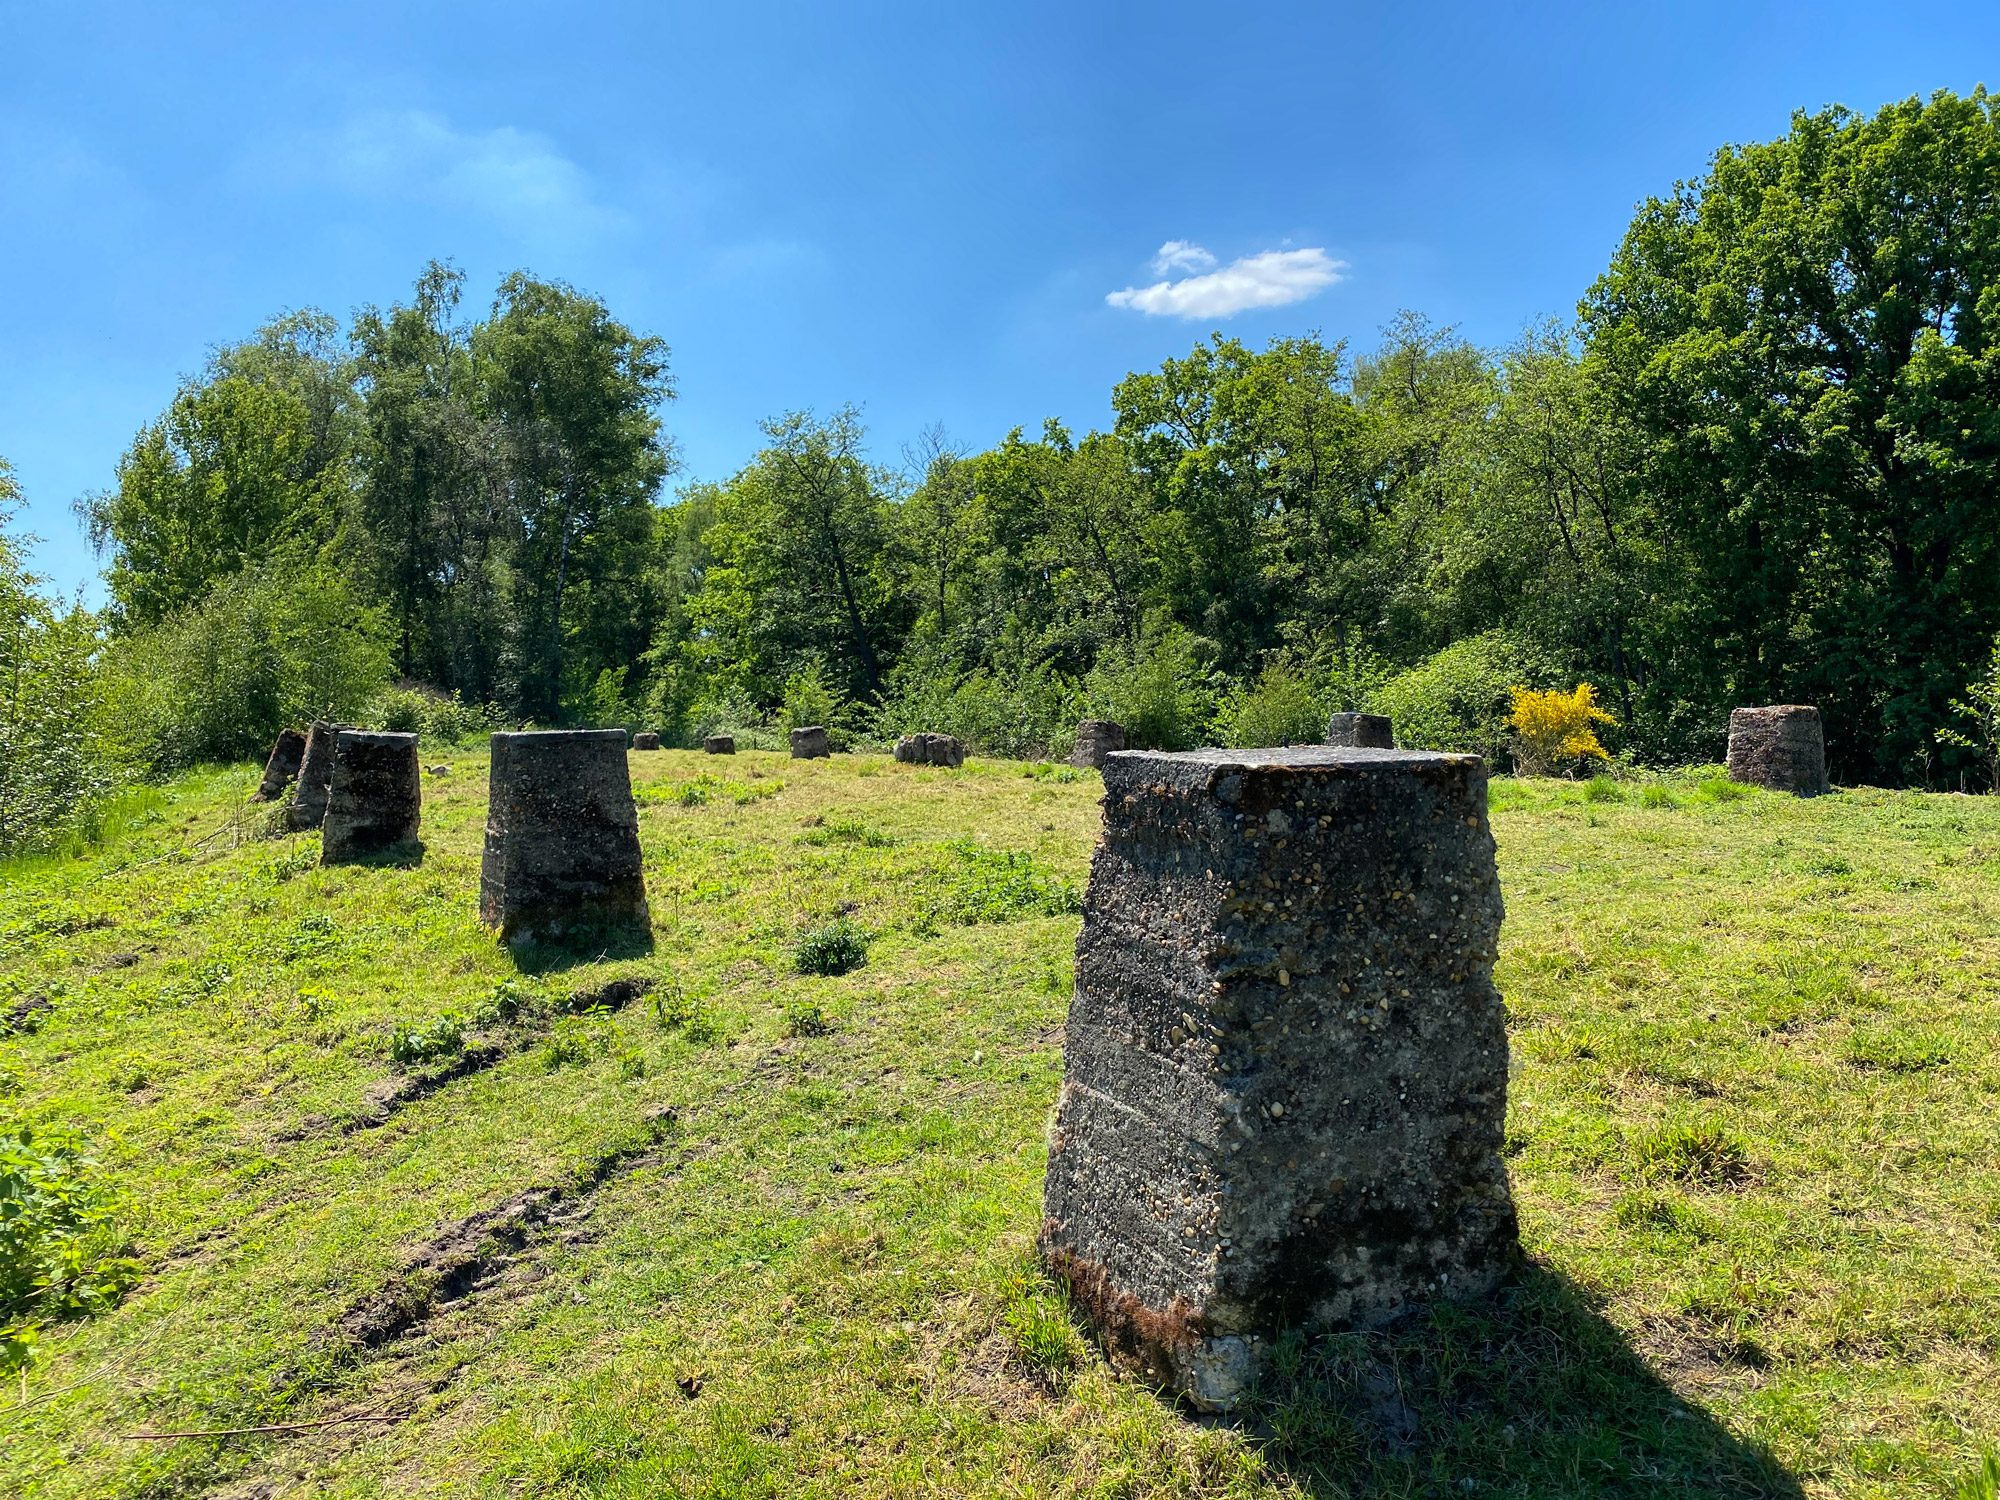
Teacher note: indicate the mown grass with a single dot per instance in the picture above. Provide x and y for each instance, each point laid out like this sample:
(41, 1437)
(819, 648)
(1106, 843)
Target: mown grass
(787, 1248)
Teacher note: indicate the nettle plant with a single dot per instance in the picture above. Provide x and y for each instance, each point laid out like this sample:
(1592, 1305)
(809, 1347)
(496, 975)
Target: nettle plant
(61, 1254)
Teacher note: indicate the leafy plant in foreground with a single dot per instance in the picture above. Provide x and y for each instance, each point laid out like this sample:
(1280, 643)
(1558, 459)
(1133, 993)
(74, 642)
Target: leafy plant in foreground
(58, 1241)
(833, 949)
(440, 1037)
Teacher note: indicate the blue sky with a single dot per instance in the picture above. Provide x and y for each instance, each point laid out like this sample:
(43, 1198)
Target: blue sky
(974, 216)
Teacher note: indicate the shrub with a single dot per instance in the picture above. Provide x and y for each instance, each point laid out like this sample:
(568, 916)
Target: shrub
(1552, 731)
(836, 948)
(440, 1037)
(58, 1243)
(1157, 691)
(437, 718)
(1280, 708)
(52, 762)
(1460, 698)
(1031, 711)
(269, 647)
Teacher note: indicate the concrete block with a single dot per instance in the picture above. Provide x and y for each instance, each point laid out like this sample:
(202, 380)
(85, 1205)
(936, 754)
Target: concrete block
(376, 797)
(645, 740)
(1370, 731)
(281, 768)
(1095, 739)
(1782, 748)
(720, 744)
(562, 836)
(810, 743)
(1285, 1069)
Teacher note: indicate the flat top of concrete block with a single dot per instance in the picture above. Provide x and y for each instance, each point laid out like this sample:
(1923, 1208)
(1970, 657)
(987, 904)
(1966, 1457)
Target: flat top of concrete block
(378, 736)
(1290, 756)
(574, 736)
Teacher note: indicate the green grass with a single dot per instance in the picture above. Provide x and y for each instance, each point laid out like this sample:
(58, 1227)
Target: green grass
(733, 1229)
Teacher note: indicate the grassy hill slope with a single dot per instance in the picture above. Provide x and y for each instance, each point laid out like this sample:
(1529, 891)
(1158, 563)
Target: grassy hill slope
(689, 1222)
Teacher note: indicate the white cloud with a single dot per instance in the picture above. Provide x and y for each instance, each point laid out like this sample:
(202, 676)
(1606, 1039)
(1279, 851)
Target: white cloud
(1271, 279)
(513, 175)
(1181, 255)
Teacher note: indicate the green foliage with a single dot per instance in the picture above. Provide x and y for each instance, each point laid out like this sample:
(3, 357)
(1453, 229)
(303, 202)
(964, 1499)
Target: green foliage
(1603, 789)
(52, 761)
(1025, 711)
(1157, 691)
(1043, 1331)
(803, 1018)
(1698, 1151)
(1983, 1483)
(1461, 698)
(1280, 708)
(1655, 795)
(1900, 1051)
(835, 948)
(1979, 711)
(1001, 885)
(269, 648)
(699, 791)
(59, 1249)
(842, 828)
(579, 1039)
(441, 1036)
(676, 1010)
(436, 717)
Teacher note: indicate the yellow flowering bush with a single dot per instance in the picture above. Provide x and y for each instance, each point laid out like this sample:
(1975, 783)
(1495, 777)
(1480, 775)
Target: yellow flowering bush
(1552, 730)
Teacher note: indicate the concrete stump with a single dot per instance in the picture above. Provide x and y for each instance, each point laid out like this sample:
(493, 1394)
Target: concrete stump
(282, 766)
(1095, 739)
(646, 741)
(931, 750)
(562, 836)
(315, 775)
(1285, 1069)
(720, 744)
(810, 743)
(375, 803)
(1370, 731)
(1782, 748)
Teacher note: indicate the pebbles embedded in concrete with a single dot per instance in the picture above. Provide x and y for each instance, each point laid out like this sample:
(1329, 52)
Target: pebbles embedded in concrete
(1095, 739)
(375, 801)
(315, 775)
(1781, 748)
(1285, 1072)
(562, 836)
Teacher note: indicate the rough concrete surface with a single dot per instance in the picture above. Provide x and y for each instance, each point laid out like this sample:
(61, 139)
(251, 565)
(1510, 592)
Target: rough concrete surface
(1285, 1069)
(931, 750)
(720, 744)
(1782, 747)
(1095, 739)
(375, 803)
(315, 775)
(562, 836)
(646, 740)
(810, 743)
(1361, 731)
(282, 766)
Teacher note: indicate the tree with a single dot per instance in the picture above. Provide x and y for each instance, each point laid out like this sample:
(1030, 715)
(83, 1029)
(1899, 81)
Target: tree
(1804, 339)
(215, 485)
(575, 394)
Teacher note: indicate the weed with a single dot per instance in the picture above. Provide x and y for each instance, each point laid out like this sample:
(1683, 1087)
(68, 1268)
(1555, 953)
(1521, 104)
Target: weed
(1042, 1331)
(1655, 795)
(996, 885)
(841, 829)
(1603, 789)
(510, 1000)
(1899, 1051)
(1698, 1152)
(836, 948)
(59, 1251)
(578, 1039)
(700, 790)
(1984, 1482)
(676, 1010)
(1662, 1213)
(805, 1019)
(442, 1036)
(631, 1064)
(295, 858)
(1722, 789)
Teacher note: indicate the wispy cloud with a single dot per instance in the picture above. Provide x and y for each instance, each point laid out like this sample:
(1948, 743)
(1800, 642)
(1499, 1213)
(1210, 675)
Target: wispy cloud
(1270, 279)
(516, 176)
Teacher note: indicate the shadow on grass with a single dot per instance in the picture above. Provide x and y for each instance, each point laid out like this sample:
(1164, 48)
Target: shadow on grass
(582, 945)
(407, 856)
(1530, 1393)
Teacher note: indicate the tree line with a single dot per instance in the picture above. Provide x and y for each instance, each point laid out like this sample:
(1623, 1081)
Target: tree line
(1756, 466)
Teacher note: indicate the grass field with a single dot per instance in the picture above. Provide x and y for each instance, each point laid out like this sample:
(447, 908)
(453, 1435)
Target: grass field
(756, 1232)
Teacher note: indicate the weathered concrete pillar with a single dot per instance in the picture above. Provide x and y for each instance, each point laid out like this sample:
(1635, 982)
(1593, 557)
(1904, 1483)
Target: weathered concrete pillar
(1370, 731)
(562, 836)
(719, 744)
(810, 743)
(1095, 739)
(646, 740)
(931, 750)
(375, 804)
(315, 775)
(1285, 1072)
(282, 766)
(1782, 748)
